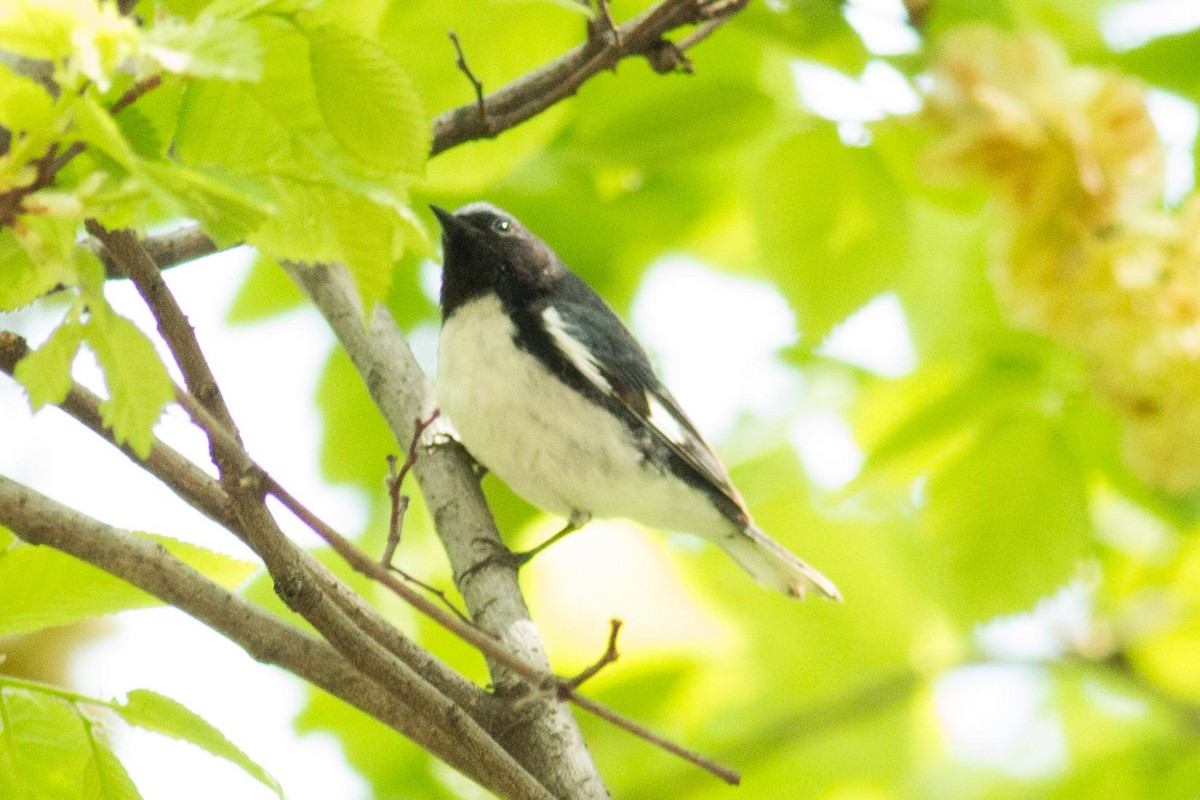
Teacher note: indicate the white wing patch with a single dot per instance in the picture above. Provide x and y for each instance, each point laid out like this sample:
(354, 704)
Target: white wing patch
(666, 423)
(578, 355)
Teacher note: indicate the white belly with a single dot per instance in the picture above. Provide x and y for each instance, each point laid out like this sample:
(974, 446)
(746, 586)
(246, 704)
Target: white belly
(544, 439)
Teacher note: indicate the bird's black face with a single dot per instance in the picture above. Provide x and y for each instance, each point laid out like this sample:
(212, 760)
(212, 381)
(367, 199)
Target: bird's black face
(488, 250)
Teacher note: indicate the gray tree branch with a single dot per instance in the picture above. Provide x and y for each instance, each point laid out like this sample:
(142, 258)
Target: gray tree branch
(423, 715)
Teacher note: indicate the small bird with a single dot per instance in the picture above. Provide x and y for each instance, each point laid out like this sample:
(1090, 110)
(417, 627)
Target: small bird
(547, 388)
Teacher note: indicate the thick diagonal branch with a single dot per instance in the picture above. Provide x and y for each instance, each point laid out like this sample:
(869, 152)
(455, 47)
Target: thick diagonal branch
(450, 734)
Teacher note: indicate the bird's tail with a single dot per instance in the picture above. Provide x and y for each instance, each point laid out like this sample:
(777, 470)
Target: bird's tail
(772, 565)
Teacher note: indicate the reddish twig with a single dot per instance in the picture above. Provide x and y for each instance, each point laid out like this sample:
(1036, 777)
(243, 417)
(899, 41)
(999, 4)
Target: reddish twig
(609, 655)
(395, 481)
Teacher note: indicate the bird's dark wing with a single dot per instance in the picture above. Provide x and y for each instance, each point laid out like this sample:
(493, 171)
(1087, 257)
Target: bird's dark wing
(594, 341)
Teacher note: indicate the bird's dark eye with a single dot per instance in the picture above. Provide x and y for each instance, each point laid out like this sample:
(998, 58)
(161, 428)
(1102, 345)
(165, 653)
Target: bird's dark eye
(501, 225)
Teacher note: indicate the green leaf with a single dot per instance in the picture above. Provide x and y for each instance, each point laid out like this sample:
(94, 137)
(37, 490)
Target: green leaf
(105, 778)
(366, 233)
(832, 226)
(21, 281)
(138, 384)
(209, 47)
(39, 30)
(1008, 521)
(97, 128)
(230, 207)
(50, 243)
(949, 303)
(43, 747)
(46, 372)
(150, 125)
(347, 411)
(41, 587)
(368, 101)
(266, 292)
(1168, 62)
(642, 128)
(813, 28)
(225, 570)
(25, 105)
(154, 712)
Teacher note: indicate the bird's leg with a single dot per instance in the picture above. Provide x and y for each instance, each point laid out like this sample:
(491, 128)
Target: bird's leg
(578, 520)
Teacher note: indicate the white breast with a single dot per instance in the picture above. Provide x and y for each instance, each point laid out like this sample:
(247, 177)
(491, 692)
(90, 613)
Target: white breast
(546, 441)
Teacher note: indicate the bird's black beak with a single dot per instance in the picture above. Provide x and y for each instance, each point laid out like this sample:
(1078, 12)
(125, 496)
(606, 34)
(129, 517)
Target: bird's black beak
(450, 223)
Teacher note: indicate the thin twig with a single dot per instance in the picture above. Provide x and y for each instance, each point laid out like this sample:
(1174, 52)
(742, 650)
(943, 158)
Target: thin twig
(395, 482)
(730, 776)
(534, 92)
(399, 507)
(609, 655)
(717, 15)
(461, 62)
(602, 24)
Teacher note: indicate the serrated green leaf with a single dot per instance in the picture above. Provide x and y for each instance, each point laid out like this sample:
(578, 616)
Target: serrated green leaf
(154, 712)
(138, 384)
(259, 139)
(46, 372)
(209, 47)
(380, 122)
(95, 126)
(832, 226)
(225, 570)
(105, 778)
(38, 30)
(25, 105)
(140, 133)
(41, 587)
(150, 125)
(1008, 520)
(21, 281)
(230, 207)
(366, 233)
(50, 243)
(43, 748)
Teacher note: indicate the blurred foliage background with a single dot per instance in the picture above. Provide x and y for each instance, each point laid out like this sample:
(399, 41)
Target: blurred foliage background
(981, 415)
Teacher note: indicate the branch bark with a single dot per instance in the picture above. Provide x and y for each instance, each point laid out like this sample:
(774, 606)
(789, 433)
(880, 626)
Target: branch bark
(534, 92)
(427, 718)
(165, 249)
